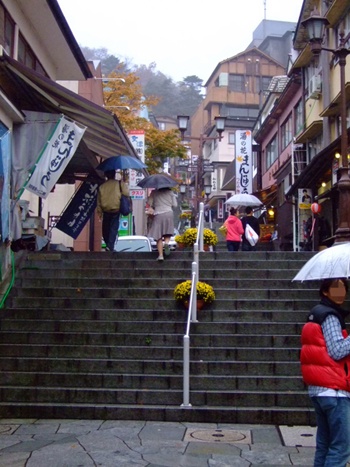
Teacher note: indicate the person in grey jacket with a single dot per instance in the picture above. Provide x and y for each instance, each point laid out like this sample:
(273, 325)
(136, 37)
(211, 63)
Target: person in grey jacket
(162, 201)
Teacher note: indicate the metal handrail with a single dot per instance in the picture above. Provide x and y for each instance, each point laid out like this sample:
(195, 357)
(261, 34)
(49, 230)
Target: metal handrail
(192, 308)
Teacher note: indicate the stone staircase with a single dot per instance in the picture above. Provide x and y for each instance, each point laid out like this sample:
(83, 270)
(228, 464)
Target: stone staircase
(99, 336)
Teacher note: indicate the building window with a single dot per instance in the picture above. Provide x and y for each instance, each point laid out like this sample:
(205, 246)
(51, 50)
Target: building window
(9, 33)
(27, 56)
(236, 83)
(231, 138)
(315, 146)
(298, 118)
(271, 152)
(286, 133)
(262, 83)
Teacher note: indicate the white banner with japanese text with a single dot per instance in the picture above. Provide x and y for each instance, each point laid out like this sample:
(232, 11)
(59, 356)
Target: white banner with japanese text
(55, 157)
(137, 139)
(244, 166)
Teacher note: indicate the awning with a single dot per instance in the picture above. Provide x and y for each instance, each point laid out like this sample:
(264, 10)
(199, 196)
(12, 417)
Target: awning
(310, 133)
(29, 90)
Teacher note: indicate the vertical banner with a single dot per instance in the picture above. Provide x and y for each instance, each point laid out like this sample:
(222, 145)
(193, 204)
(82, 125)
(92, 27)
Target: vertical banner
(5, 158)
(79, 210)
(55, 157)
(137, 139)
(244, 166)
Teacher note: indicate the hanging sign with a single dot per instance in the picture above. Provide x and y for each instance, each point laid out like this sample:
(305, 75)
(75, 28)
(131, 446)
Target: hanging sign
(244, 166)
(137, 139)
(55, 157)
(79, 210)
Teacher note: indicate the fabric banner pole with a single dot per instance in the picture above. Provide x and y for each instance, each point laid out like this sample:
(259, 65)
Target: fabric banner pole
(20, 193)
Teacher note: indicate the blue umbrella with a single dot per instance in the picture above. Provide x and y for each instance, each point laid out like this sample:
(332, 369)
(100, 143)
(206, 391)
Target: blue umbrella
(121, 163)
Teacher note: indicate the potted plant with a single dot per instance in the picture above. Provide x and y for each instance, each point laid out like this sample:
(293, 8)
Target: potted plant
(180, 241)
(186, 215)
(190, 237)
(205, 293)
(209, 237)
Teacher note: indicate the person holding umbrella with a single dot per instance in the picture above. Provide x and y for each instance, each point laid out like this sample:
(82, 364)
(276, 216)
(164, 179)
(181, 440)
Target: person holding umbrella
(325, 364)
(108, 204)
(162, 201)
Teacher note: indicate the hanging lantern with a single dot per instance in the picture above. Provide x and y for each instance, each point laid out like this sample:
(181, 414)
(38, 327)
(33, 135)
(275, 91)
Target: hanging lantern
(316, 208)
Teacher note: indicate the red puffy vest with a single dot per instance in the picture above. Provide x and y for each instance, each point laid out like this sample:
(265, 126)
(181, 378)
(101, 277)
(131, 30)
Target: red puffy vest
(317, 367)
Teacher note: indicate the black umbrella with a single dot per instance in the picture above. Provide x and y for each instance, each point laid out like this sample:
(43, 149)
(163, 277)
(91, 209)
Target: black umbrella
(158, 181)
(121, 163)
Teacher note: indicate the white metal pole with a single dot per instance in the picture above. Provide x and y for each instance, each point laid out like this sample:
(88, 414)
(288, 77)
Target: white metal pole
(186, 372)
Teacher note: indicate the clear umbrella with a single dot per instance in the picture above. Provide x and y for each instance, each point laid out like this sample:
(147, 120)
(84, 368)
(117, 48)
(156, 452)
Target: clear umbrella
(243, 199)
(334, 262)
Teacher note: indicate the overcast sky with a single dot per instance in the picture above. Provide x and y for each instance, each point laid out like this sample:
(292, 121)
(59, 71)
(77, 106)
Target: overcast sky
(183, 37)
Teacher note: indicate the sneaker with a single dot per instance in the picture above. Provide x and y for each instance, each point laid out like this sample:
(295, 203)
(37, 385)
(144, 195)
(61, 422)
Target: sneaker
(166, 250)
(160, 258)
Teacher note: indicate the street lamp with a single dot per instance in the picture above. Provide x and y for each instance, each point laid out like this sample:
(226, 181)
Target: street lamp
(182, 123)
(315, 26)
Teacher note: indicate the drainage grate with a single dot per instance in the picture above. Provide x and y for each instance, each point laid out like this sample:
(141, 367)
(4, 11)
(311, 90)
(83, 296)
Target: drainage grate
(218, 436)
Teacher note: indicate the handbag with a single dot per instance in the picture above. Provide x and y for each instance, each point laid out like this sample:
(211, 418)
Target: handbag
(251, 235)
(125, 207)
(223, 230)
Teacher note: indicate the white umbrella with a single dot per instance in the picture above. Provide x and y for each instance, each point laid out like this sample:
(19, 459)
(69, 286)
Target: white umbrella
(243, 199)
(331, 263)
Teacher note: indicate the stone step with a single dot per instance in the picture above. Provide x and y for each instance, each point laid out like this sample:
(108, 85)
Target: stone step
(134, 382)
(139, 339)
(108, 282)
(236, 414)
(223, 353)
(74, 329)
(173, 273)
(164, 303)
(163, 395)
(206, 315)
(181, 265)
(158, 293)
(213, 368)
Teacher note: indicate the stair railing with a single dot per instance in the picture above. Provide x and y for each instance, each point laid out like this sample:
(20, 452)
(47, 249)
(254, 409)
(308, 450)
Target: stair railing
(192, 308)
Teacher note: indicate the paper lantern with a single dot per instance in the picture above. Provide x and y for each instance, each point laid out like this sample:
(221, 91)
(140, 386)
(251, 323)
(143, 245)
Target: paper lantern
(316, 208)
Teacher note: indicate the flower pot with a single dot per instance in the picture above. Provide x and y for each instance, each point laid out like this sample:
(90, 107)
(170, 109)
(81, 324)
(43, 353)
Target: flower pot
(200, 304)
(206, 247)
(180, 246)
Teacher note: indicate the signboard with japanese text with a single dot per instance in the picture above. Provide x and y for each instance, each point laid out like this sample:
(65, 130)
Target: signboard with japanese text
(244, 169)
(220, 213)
(137, 194)
(55, 157)
(79, 210)
(137, 139)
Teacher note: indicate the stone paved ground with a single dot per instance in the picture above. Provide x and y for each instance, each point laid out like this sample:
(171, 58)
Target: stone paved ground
(117, 443)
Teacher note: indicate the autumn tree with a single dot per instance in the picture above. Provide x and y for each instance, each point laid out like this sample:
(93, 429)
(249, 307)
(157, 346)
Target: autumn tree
(127, 101)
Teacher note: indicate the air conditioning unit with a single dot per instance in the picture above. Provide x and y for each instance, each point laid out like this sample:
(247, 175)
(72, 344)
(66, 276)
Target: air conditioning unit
(315, 87)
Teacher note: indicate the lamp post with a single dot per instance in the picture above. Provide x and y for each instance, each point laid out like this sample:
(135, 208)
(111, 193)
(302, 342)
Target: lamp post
(182, 123)
(315, 26)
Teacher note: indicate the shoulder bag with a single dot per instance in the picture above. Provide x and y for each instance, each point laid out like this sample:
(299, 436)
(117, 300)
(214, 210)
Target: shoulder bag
(125, 203)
